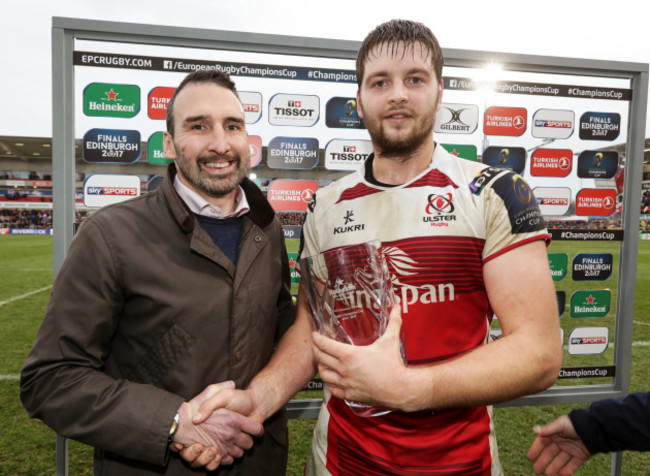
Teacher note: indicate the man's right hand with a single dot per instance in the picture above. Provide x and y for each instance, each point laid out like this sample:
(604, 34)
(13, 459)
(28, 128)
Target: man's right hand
(218, 438)
(557, 449)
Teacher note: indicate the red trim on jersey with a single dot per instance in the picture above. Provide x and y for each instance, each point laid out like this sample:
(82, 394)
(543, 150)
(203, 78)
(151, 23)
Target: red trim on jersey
(545, 237)
(433, 178)
(359, 190)
(408, 444)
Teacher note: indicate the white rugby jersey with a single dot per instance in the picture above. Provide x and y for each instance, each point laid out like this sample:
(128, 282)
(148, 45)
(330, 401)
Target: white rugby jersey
(437, 231)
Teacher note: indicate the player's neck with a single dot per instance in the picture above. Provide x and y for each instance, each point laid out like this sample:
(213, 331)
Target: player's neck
(398, 170)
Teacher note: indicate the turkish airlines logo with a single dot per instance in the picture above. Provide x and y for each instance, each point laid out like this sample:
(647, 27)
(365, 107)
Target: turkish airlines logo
(595, 202)
(551, 163)
(505, 121)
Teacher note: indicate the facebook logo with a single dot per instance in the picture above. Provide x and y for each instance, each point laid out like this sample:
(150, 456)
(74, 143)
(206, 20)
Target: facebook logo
(167, 64)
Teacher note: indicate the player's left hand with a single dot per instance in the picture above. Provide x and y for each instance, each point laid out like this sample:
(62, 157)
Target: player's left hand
(374, 374)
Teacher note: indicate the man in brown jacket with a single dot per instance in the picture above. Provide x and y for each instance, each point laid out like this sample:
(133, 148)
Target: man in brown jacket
(163, 295)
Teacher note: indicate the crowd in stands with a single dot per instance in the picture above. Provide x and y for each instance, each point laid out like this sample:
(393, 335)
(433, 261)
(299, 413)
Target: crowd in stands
(26, 219)
(291, 218)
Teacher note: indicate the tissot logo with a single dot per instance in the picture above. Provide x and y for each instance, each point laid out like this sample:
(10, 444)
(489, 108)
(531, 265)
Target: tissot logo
(294, 110)
(346, 154)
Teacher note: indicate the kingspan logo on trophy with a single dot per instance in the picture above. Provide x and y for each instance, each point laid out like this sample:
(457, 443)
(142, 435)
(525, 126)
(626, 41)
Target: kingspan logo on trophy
(350, 293)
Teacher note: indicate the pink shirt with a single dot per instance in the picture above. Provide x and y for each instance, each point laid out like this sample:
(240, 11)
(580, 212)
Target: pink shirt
(199, 205)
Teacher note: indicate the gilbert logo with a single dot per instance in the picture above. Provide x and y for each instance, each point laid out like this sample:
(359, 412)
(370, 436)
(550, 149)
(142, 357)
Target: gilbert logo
(457, 118)
(111, 100)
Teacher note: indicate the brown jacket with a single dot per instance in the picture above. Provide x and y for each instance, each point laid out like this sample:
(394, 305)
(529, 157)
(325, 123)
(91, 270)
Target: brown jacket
(147, 311)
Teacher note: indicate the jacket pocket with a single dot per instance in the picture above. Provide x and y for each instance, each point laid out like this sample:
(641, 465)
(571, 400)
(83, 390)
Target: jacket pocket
(161, 357)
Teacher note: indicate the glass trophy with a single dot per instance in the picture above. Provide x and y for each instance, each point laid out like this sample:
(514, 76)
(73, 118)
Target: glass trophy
(350, 294)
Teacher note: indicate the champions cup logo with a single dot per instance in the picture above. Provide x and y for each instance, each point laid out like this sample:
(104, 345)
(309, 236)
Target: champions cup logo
(522, 190)
(350, 107)
(504, 155)
(341, 112)
(598, 159)
(597, 164)
(513, 158)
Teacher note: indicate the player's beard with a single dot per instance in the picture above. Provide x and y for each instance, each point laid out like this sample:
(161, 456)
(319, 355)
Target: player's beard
(209, 184)
(399, 143)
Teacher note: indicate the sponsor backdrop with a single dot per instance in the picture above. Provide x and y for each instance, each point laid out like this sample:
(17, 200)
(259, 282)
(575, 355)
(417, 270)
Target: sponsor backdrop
(557, 131)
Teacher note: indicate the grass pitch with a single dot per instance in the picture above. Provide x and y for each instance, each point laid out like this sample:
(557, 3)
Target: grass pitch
(27, 447)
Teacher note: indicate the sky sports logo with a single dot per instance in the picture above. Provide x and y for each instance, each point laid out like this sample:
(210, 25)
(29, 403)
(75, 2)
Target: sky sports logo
(119, 191)
(106, 189)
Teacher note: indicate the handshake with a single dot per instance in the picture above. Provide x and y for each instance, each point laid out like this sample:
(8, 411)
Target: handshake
(216, 426)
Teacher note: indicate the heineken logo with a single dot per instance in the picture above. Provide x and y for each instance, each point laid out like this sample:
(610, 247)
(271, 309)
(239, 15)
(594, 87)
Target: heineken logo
(558, 263)
(463, 151)
(155, 151)
(590, 303)
(111, 100)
